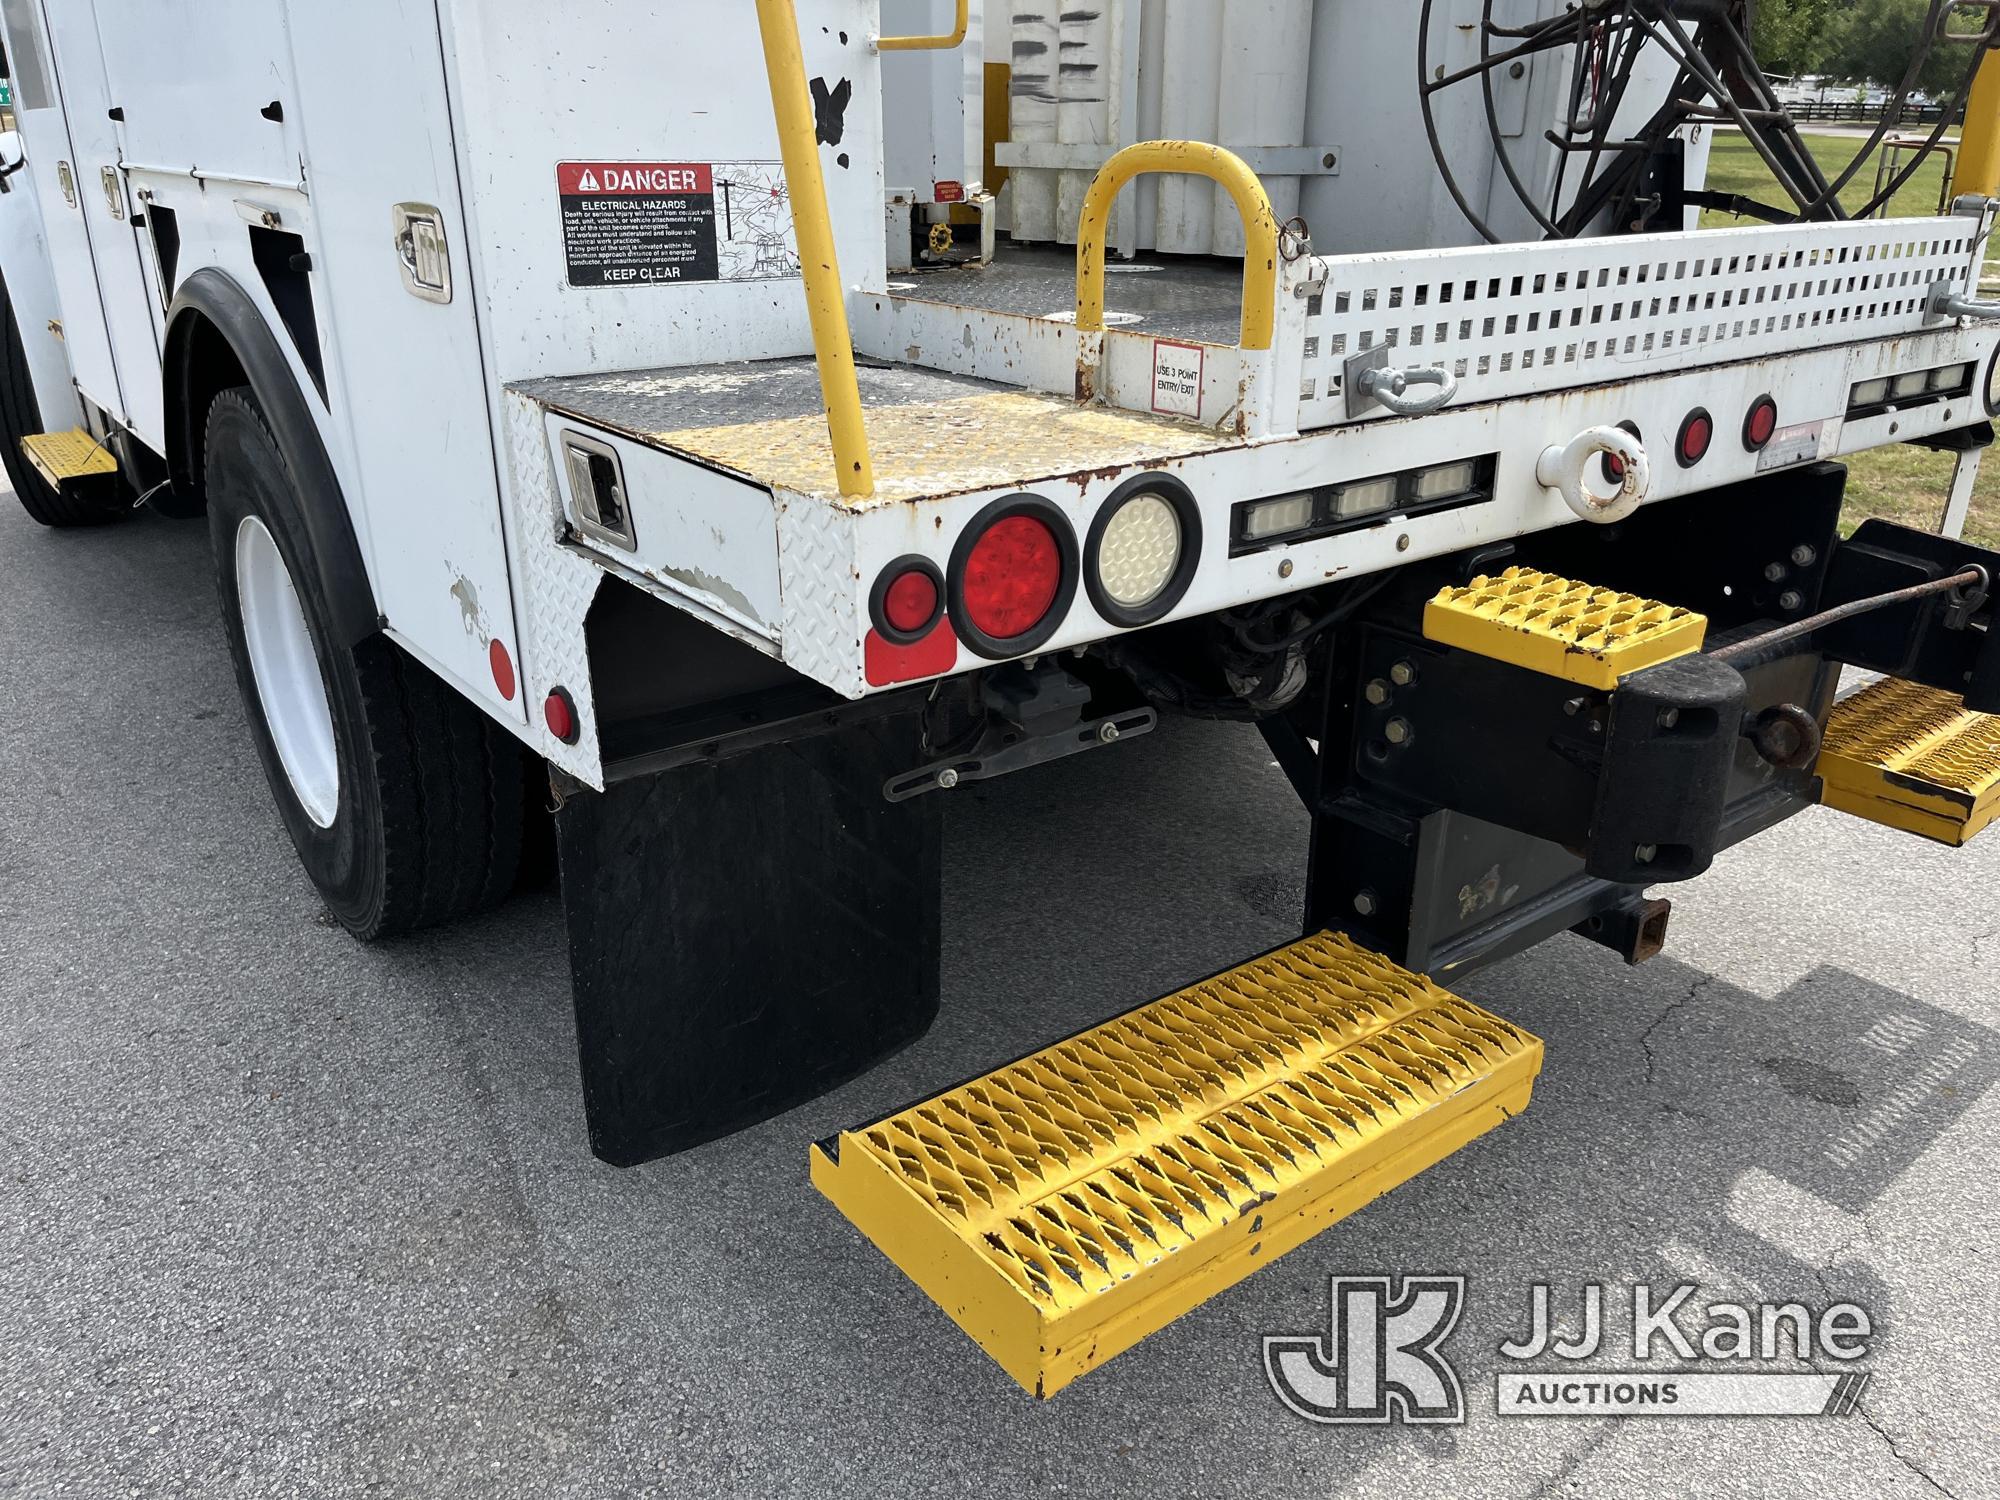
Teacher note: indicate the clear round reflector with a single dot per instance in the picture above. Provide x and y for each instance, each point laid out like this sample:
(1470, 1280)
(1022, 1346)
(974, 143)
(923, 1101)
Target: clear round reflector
(1139, 551)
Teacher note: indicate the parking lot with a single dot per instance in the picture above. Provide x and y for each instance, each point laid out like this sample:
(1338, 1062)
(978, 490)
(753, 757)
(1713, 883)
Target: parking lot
(283, 1214)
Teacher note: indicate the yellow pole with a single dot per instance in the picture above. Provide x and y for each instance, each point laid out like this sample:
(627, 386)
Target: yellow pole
(929, 43)
(833, 346)
(1253, 206)
(1978, 170)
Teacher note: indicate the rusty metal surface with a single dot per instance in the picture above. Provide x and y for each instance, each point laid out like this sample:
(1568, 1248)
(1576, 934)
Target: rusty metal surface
(930, 433)
(1175, 298)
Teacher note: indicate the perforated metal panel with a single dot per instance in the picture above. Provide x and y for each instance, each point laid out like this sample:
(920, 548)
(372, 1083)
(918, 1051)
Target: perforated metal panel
(1511, 320)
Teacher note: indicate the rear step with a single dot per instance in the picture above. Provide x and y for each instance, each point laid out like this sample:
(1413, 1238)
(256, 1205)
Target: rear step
(1064, 1206)
(1553, 625)
(76, 465)
(1912, 757)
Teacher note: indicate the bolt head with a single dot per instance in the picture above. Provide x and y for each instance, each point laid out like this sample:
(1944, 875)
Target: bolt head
(1774, 571)
(1403, 673)
(1403, 542)
(947, 778)
(1669, 717)
(1790, 600)
(1106, 733)
(1645, 854)
(1285, 568)
(1398, 732)
(1377, 691)
(1364, 903)
(1804, 556)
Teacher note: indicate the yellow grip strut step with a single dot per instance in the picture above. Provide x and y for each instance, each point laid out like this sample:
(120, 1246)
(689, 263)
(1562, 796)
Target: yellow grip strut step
(1914, 758)
(1063, 1207)
(69, 459)
(1575, 631)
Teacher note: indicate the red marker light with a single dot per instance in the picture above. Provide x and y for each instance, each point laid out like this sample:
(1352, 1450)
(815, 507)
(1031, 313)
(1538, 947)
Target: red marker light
(1760, 424)
(1697, 432)
(559, 713)
(503, 668)
(910, 602)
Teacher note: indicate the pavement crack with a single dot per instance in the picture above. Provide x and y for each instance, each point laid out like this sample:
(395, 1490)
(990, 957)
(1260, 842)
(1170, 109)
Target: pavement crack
(1902, 1458)
(1701, 983)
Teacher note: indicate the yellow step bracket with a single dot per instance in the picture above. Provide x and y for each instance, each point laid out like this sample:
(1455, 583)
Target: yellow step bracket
(1063, 1207)
(67, 459)
(1575, 631)
(1913, 758)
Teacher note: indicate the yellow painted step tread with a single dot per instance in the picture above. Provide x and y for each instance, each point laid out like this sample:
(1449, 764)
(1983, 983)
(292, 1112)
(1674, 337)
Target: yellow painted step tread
(1546, 623)
(1062, 1207)
(75, 454)
(1912, 757)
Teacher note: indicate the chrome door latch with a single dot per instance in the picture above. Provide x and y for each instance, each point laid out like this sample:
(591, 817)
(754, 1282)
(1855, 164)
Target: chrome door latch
(421, 251)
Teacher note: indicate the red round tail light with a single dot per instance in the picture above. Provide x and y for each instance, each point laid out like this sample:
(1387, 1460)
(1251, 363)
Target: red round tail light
(1760, 424)
(1697, 432)
(1013, 574)
(907, 600)
(911, 601)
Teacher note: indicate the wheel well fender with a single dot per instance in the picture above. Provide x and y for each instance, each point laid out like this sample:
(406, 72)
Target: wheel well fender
(217, 339)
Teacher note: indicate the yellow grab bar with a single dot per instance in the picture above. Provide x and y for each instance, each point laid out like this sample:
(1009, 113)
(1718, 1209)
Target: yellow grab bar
(929, 43)
(1978, 170)
(833, 345)
(1253, 206)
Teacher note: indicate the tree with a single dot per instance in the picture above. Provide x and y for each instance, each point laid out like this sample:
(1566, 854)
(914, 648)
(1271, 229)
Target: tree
(1793, 37)
(1877, 40)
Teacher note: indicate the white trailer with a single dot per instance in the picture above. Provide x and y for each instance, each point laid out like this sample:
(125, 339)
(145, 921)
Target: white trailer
(578, 417)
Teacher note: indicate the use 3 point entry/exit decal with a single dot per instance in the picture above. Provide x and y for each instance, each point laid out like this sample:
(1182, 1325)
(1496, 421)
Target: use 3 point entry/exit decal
(632, 223)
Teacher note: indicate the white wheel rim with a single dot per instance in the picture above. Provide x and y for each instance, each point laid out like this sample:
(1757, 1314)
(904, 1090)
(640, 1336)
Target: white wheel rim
(290, 690)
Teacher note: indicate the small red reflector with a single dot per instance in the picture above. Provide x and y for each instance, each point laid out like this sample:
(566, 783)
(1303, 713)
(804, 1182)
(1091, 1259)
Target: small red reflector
(560, 715)
(1761, 423)
(1012, 576)
(1697, 432)
(910, 602)
(503, 668)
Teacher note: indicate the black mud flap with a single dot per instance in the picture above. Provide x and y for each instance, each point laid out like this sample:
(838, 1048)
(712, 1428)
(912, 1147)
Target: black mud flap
(745, 935)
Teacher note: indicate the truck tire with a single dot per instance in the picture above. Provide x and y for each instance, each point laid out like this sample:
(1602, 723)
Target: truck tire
(21, 416)
(406, 803)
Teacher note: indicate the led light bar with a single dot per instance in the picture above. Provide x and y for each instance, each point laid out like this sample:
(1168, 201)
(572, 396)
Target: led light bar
(1352, 503)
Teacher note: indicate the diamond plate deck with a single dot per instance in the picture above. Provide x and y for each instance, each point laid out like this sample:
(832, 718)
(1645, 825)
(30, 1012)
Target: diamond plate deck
(930, 433)
(1575, 631)
(1063, 1207)
(1914, 758)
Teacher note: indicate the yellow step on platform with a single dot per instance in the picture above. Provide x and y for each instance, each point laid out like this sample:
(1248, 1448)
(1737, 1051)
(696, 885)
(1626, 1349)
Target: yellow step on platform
(1064, 1206)
(1914, 758)
(71, 460)
(1575, 631)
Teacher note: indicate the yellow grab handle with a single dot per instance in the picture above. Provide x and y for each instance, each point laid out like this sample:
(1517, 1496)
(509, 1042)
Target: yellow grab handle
(928, 43)
(833, 345)
(1253, 206)
(1978, 171)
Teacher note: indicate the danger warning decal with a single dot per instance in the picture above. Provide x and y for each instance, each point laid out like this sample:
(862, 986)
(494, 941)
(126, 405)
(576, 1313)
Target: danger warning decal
(634, 223)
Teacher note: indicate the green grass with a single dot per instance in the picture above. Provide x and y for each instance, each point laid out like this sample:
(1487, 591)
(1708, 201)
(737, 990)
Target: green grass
(1899, 483)
(1735, 167)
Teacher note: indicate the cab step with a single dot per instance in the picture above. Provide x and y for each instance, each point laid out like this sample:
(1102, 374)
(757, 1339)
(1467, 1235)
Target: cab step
(75, 464)
(1912, 757)
(1064, 1206)
(1576, 631)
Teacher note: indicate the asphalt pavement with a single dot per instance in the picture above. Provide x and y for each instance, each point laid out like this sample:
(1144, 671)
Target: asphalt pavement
(282, 1214)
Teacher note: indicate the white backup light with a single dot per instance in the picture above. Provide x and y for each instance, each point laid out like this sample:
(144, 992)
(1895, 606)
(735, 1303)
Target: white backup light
(1139, 551)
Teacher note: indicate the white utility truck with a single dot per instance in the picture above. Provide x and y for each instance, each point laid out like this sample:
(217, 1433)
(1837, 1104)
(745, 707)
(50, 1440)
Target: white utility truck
(735, 426)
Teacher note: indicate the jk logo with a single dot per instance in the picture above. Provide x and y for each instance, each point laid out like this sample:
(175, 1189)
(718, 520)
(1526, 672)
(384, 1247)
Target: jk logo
(1379, 1360)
